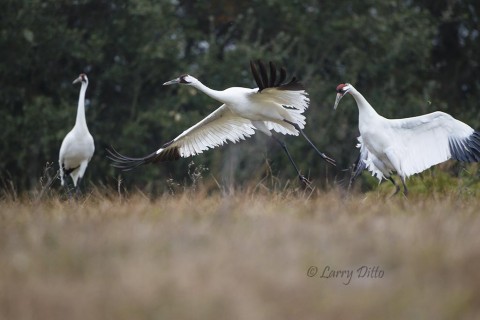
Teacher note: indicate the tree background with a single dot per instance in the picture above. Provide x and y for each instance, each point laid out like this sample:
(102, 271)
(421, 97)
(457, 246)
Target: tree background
(406, 57)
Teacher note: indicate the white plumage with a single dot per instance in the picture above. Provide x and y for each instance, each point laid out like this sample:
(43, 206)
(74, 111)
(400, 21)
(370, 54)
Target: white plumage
(213, 131)
(77, 147)
(274, 105)
(411, 145)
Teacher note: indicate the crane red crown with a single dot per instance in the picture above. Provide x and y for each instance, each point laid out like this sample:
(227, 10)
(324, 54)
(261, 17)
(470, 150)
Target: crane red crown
(340, 87)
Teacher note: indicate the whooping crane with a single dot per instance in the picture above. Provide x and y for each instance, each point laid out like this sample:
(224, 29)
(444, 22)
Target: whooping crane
(274, 105)
(408, 146)
(77, 146)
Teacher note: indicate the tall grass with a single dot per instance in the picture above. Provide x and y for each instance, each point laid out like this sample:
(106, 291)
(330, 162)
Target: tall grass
(241, 254)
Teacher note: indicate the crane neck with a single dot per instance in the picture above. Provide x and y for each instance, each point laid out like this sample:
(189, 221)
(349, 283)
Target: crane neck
(81, 122)
(215, 94)
(365, 110)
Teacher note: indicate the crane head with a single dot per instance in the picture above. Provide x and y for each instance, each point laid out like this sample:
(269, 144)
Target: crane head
(81, 78)
(342, 89)
(183, 79)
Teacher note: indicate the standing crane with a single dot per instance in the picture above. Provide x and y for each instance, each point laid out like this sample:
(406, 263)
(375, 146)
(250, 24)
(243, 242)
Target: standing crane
(274, 105)
(77, 146)
(408, 146)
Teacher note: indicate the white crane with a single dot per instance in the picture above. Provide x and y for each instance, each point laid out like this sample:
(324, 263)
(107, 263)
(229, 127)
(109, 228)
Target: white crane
(77, 146)
(274, 105)
(408, 146)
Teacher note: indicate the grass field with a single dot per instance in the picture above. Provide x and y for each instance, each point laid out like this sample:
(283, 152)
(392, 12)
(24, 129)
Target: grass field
(248, 255)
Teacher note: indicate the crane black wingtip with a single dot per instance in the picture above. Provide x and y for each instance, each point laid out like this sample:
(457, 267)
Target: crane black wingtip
(467, 150)
(270, 80)
(256, 76)
(123, 162)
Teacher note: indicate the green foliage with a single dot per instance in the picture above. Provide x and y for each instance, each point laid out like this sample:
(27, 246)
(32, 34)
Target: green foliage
(459, 181)
(408, 58)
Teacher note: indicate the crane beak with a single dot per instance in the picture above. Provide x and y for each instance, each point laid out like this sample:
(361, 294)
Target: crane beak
(174, 81)
(79, 79)
(337, 100)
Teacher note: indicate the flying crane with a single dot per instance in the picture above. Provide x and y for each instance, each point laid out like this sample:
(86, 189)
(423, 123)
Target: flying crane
(273, 105)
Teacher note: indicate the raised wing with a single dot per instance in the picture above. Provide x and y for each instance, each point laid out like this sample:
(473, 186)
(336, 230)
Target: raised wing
(427, 140)
(272, 79)
(213, 131)
(290, 95)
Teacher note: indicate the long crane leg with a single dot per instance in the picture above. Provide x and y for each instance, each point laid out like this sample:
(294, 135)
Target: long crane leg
(300, 176)
(397, 187)
(405, 190)
(357, 169)
(323, 155)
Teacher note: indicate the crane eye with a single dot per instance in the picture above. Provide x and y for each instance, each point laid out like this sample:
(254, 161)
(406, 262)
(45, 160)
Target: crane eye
(183, 78)
(341, 88)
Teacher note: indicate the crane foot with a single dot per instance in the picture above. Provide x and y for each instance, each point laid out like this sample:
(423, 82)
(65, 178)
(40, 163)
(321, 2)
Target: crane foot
(305, 181)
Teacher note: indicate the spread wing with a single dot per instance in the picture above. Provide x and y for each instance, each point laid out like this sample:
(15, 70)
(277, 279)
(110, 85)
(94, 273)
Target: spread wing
(216, 129)
(427, 140)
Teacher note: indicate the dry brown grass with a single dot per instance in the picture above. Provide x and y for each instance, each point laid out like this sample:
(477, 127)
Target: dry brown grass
(243, 256)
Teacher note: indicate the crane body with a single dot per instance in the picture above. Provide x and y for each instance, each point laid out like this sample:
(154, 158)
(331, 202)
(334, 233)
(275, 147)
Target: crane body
(274, 105)
(78, 146)
(411, 145)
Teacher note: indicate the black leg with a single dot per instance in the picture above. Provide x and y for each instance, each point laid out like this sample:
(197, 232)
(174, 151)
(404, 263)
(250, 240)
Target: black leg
(405, 190)
(397, 187)
(323, 155)
(78, 192)
(78, 189)
(300, 176)
(357, 169)
(67, 188)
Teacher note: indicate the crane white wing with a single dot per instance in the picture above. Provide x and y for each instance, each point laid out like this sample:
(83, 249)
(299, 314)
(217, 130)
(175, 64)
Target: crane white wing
(213, 131)
(424, 141)
(295, 99)
(294, 103)
(288, 95)
(368, 160)
(283, 128)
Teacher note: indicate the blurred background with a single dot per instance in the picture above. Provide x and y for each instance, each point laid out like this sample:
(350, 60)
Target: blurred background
(406, 57)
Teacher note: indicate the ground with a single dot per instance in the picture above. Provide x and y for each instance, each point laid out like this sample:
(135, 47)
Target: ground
(255, 254)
